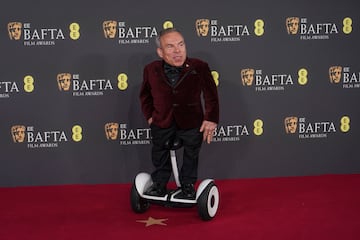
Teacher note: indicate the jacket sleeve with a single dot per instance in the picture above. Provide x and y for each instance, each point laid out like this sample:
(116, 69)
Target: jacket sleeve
(146, 98)
(210, 94)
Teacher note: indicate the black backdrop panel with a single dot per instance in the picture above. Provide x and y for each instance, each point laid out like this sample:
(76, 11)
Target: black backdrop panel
(66, 78)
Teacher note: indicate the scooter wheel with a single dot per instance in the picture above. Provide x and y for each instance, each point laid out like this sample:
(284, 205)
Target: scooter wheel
(138, 204)
(208, 202)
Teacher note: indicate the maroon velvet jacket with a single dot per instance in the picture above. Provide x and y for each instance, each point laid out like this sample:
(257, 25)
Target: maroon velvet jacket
(182, 102)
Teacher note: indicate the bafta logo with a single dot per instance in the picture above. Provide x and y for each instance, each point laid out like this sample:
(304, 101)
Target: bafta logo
(18, 133)
(292, 25)
(111, 131)
(290, 124)
(14, 30)
(64, 81)
(109, 28)
(247, 76)
(335, 74)
(202, 27)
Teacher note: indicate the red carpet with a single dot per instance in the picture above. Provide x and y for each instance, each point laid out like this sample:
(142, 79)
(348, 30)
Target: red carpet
(321, 207)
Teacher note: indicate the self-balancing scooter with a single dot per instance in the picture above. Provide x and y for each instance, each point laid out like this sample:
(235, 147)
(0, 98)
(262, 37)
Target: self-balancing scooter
(207, 194)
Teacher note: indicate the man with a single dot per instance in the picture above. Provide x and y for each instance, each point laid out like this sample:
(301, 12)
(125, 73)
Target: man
(171, 103)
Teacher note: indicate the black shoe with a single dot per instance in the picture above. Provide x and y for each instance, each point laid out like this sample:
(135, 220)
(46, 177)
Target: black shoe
(157, 190)
(187, 191)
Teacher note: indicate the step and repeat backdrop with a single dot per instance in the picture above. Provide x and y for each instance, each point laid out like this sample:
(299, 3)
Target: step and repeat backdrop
(288, 76)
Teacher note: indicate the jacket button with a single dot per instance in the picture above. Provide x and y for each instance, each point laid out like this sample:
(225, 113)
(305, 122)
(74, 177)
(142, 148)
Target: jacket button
(175, 105)
(175, 91)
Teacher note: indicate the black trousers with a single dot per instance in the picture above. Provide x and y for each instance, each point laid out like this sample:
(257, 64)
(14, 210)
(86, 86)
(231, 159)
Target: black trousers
(192, 140)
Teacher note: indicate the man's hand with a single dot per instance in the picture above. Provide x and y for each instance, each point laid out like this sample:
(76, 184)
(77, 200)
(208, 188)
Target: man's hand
(208, 128)
(149, 121)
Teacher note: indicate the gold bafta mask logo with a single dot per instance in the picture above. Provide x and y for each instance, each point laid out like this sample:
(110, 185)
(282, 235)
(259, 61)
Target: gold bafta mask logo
(14, 30)
(335, 74)
(111, 131)
(292, 25)
(109, 28)
(290, 124)
(247, 76)
(202, 27)
(64, 81)
(18, 133)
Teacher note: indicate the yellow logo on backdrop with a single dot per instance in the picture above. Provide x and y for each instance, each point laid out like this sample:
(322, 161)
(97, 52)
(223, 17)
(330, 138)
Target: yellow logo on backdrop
(292, 25)
(202, 27)
(335, 74)
(347, 25)
(122, 81)
(46, 36)
(314, 129)
(14, 30)
(109, 28)
(74, 31)
(77, 133)
(29, 83)
(247, 76)
(125, 135)
(111, 131)
(18, 133)
(85, 88)
(226, 33)
(308, 30)
(168, 24)
(42, 139)
(263, 82)
(290, 124)
(258, 127)
(215, 76)
(259, 27)
(348, 78)
(128, 33)
(345, 124)
(234, 132)
(303, 76)
(64, 81)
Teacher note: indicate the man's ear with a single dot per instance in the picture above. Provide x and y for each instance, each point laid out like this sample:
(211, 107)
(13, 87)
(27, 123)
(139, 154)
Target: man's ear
(160, 52)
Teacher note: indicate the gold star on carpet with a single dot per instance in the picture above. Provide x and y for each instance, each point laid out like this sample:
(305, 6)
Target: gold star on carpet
(152, 221)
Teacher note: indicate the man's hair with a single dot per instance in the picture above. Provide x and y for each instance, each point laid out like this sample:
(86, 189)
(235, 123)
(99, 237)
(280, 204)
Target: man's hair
(162, 33)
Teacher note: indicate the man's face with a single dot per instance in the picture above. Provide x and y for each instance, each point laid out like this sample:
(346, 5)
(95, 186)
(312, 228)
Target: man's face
(292, 25)
(335, 74)
(64, 81)
(15, 31)
(19, 134)
(291, 125)
(172, 49)
(202, 27)
(247, 77)
(110, 29)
